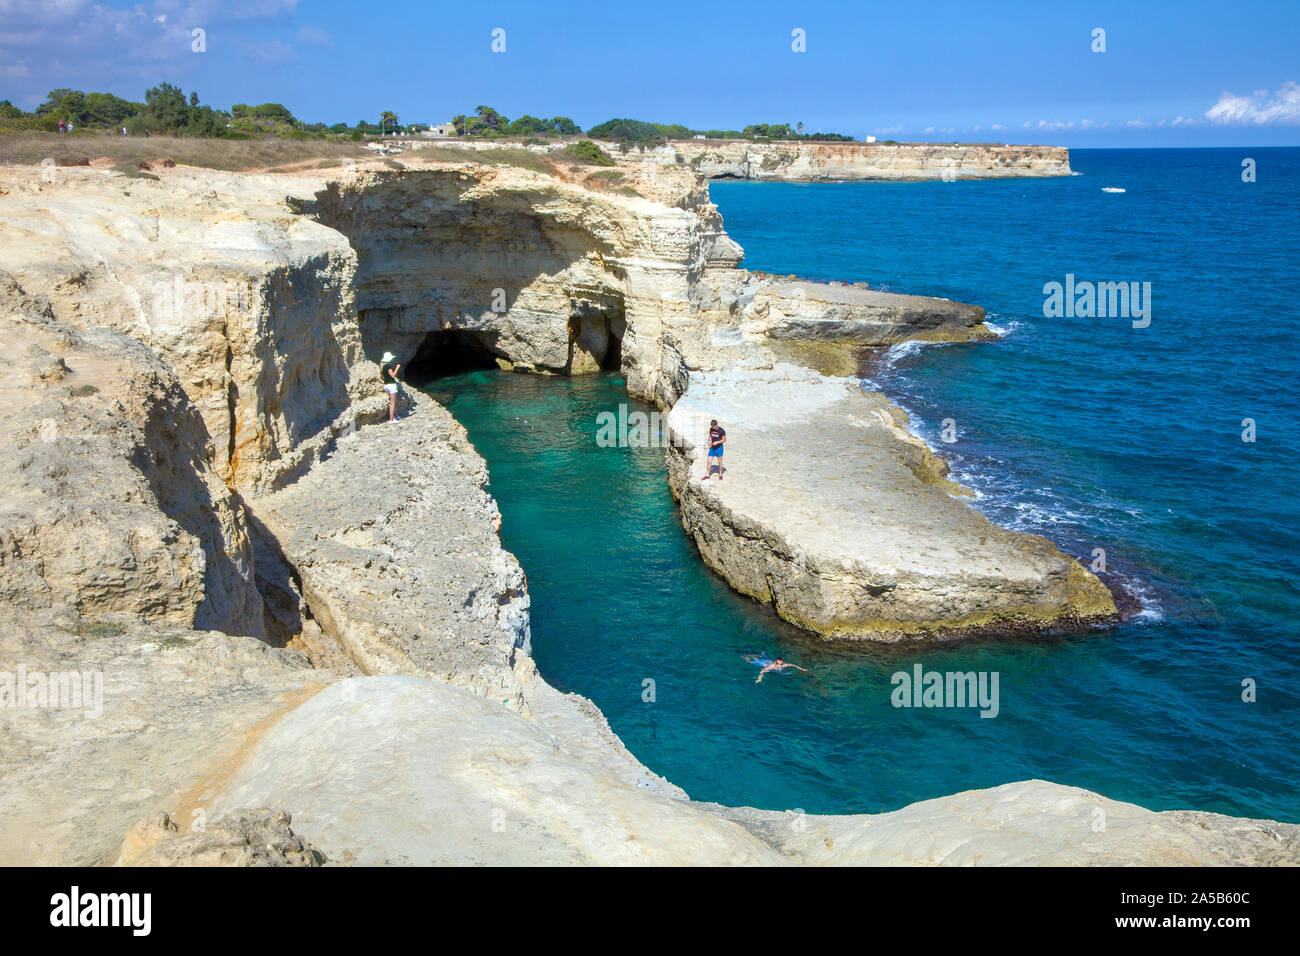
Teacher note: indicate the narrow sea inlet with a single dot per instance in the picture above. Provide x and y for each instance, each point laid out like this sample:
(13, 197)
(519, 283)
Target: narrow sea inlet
(1087, 430)
(619, 597)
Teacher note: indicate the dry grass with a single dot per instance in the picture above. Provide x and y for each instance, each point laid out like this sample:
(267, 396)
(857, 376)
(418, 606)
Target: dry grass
(503, 155)
(132, 154)
(516, 156)
(441, 153)
(607, 177)
(29, 148)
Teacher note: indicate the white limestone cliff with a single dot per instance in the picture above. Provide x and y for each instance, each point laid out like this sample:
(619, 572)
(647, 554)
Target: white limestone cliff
(232, 418)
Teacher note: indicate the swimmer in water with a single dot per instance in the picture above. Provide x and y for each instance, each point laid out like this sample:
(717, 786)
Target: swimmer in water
(776, 665)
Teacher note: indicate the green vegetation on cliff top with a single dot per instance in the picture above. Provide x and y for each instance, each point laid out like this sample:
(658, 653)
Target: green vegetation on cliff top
(166, 110)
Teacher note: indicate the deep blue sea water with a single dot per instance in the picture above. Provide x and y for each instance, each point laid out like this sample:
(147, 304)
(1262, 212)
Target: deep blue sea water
(1086, 430)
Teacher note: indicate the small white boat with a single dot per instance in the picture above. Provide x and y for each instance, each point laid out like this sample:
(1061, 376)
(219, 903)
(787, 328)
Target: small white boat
(1112, 189)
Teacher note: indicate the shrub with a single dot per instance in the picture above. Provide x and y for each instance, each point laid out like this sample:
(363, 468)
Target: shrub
(585, 151)
(606, 177)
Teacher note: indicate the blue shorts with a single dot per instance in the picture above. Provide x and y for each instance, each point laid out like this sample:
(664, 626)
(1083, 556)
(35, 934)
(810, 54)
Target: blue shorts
(715, 452)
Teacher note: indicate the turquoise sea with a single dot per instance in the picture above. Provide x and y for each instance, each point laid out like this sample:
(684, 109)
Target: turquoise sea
(1087, 430)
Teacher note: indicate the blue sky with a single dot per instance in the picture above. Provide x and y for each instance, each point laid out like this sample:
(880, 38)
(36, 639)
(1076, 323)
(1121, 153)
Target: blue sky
(1192, 73)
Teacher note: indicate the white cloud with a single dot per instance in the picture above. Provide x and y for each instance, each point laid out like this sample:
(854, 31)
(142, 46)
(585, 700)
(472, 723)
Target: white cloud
(90, 44)
(1258, 108)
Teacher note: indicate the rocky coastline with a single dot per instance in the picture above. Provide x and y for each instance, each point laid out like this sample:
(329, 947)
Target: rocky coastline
(806, 161)
(844, 162)
(202, 511)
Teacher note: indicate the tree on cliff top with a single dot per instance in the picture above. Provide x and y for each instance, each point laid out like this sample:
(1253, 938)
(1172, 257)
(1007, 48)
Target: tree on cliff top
(166, 110)
(629, 131)
(86, 109)
(767, 131)
(274, 112)
(491, 118)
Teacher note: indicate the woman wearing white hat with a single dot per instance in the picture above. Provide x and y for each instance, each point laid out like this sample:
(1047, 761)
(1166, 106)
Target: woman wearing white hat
(388, 375)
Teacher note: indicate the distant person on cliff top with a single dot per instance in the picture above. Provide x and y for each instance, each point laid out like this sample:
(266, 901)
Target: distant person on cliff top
(717, 436)
(776, 665)
(388, 375)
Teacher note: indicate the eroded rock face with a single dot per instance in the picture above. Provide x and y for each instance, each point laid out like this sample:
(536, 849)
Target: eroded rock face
(537, 272)
(110, 503)
(250, 304)
(393, 546)
(853, 315)
(831, 511)
(244, 838)
(542, 274)
(810, 162)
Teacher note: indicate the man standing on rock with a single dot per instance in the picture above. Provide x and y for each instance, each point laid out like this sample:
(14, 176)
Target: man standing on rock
(388, 375)
(717, 436)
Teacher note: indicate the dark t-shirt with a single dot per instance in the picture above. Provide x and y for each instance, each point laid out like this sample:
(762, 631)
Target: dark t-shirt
(383, 373)
(716, 434)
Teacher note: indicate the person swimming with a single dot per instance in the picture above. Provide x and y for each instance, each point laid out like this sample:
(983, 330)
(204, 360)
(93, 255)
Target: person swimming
(776, 664)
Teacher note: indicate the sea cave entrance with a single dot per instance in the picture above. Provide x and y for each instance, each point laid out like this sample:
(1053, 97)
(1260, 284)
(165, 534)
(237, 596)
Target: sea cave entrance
(446, 352)
(596, 329)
